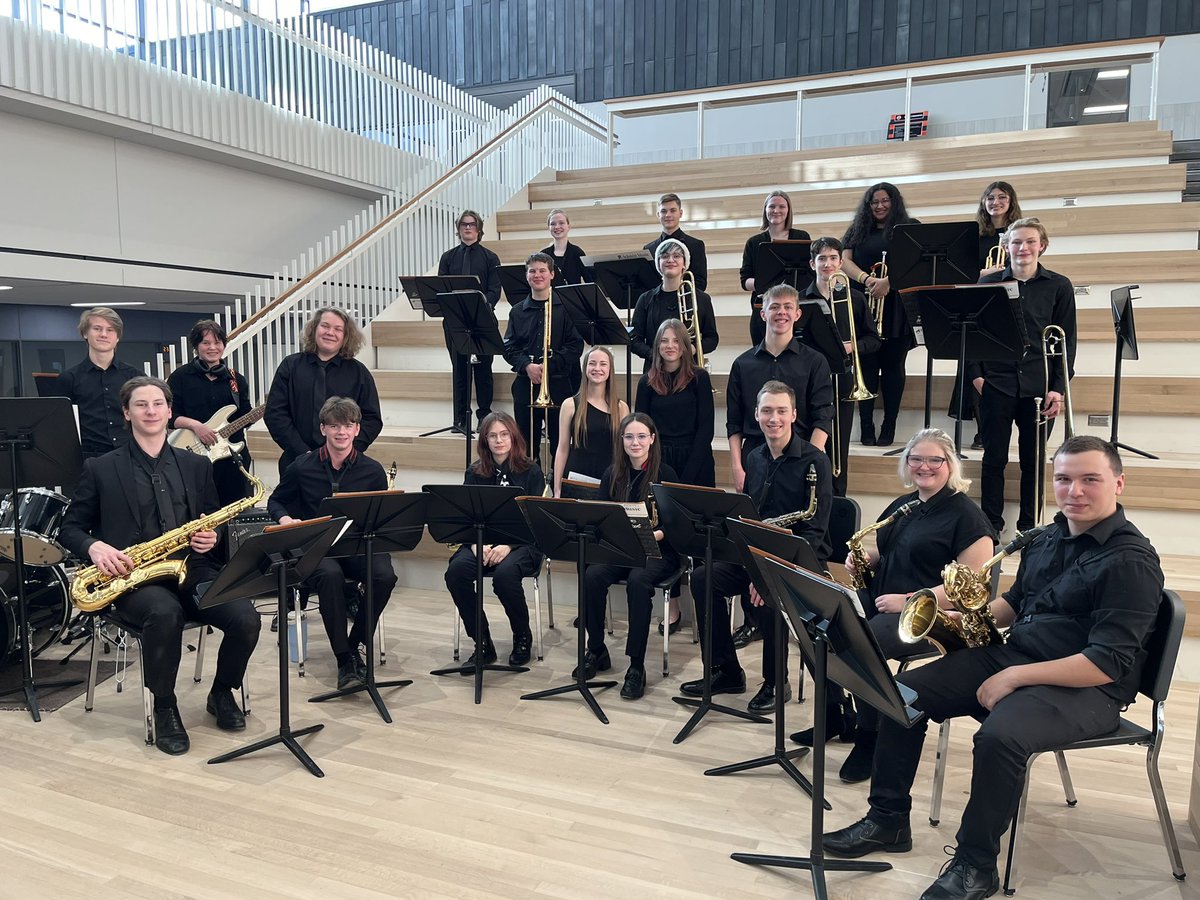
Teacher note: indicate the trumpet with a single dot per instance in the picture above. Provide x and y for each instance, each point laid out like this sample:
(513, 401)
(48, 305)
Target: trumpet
(689, 312)
(1054, 347)
(997, 257)
(801, 515)
(878, 270)
(840, 281)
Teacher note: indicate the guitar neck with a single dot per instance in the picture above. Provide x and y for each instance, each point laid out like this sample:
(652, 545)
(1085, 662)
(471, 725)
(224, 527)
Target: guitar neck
(242, 421)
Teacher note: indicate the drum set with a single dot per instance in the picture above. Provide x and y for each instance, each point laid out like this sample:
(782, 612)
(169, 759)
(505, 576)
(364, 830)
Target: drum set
(47, 595)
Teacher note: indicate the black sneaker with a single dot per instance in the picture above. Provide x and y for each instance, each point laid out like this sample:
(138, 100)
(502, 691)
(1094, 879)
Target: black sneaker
(522, 645)
(348, 675)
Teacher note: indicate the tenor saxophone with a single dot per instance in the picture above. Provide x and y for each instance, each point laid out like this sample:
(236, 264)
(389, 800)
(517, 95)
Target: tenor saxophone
(92, 590)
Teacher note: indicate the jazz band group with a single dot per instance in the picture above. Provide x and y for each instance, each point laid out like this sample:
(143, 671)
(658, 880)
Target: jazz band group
(1078, 615)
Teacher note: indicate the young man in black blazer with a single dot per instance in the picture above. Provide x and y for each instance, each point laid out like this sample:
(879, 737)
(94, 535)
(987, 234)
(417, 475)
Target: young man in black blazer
(135, 494)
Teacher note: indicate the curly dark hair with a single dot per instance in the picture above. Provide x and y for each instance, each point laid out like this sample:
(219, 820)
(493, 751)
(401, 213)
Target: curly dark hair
(864, 221)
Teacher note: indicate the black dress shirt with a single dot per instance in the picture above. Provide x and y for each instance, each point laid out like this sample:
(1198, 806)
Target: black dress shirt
(97, 393)
(802, 368)
(474, 259)
(1096, 593)
(750, 252)
(196, 396)
(293, 410)
(531, 481)
(569, 268)
(312, 478)
(780, 486)
(158, 479)
(524, 339)
(665, 473)
(656, 306)
(1046, 299)
(699, 259)
(683, 417)
(915, 548)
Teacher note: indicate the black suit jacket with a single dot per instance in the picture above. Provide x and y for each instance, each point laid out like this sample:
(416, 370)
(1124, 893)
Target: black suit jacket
(105, 503)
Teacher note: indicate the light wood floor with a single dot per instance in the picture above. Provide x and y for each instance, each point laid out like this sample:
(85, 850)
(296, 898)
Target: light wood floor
(508, 798)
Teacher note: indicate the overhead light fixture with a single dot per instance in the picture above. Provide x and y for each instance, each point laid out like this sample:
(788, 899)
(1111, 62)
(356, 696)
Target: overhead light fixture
(1110, 74)
(110, 303)
(1102, 110)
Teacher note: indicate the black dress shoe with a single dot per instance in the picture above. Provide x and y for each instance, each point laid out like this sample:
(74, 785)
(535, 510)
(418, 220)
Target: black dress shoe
(348, 675)
(722, 683)
(635, 683)
(169, 734)
(857, 767)
(522, 644)
(488, 651)
(887, 434)
(746, 635)
(360, 665)
(675, 626)
(593, 663)
(764, 700)
(864, 837)
(962, 881)
(229, 715)
(977, 443)
(838, 726)
(275, 622)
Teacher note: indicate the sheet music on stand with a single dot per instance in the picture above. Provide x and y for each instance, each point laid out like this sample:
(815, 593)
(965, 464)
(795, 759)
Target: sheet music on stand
(639, 518)
(580, 487)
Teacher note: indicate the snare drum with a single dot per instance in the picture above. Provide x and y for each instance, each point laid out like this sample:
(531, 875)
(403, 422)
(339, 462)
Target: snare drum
(48, 601)
(41, 516)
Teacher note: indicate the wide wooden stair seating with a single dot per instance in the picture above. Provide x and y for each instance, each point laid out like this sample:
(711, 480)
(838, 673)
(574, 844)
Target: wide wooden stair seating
(1108, 195)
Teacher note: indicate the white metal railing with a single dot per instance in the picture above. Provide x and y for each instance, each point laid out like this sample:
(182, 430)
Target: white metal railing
(358, 267)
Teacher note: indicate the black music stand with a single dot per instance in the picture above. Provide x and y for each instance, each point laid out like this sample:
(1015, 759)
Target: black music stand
(625, 277)
(589, 309)
(694, 521)
(795, 549)
(279, 558)
(783, 262)
(513, 285)
(980, 322)
(382, 522)
(941, 253)
(42, 445)
(476, 514)
(1122, 311)
(582, 531)
(840, 644)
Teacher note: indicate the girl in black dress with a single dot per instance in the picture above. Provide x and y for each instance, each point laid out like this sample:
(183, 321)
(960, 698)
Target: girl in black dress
(588, 421)
(568, 257)
(866, 240)
(501, 460)
(777, 226)
(636, 465)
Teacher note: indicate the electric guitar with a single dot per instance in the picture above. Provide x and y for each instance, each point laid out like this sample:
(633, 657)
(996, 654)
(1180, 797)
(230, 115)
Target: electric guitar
(185, 439)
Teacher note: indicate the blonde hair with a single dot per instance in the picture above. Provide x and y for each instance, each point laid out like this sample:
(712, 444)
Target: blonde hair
(1029, 222)
(957, 480)
(106, 313)
(556, 212)
(579, 421)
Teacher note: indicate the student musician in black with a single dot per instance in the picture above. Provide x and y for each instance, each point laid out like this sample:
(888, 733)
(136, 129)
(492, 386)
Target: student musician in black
(637, 464)
(776, 226)
(568, 257)
(501, 459)
(670, 211)
(201, 388)
(826, 261)
(588, 421)
(658, 304)
(866, 241)
(777, 481)
(524, 350)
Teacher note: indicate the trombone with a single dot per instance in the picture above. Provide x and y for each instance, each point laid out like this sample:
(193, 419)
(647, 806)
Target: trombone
(543, 401)
(997, 257)
(689, 312)
(1054, 353)
(839, 282)
(878, 270)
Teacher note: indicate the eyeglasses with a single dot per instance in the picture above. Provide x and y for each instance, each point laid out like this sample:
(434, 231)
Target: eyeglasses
(881, 202)
(934, 462)
(670, 254)
(635, 438)
(499, 436)
(468, 224)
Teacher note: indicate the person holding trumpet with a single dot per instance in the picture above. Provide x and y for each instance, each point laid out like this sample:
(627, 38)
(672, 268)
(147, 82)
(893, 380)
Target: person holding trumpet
(1026, 390)
(859, 337)
(678, 297)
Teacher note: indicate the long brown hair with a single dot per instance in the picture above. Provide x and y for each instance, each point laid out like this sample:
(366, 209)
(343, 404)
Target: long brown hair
(660, 380)
(771, 196)
(518, 457)
(621, 474)
(579, 422)
(984, 218)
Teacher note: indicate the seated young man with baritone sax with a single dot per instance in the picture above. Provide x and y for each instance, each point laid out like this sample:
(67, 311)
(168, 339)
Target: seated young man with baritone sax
(131, 497)
(1081, 611)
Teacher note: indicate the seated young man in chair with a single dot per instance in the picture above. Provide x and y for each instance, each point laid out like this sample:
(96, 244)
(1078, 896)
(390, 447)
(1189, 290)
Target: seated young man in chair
(137, 493)
(1082, 608)
(338, 468)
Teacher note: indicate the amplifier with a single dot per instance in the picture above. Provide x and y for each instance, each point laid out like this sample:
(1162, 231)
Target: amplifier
(245, 525)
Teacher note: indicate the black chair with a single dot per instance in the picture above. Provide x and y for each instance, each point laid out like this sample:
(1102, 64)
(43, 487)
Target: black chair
(1156, 682)
(845, 518)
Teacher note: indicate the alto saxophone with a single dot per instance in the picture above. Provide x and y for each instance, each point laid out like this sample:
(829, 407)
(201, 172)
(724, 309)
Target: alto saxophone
(800, 515)
(861, 577)
(93, 590)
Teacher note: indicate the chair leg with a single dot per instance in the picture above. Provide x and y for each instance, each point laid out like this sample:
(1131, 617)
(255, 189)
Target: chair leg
(245, 698)
(800, 685)
(457, 635)
(1160, 803)
(122, 658)
(93, 665)
(939, 774)
(537, 615)
(608, 606)
(1065, 774)
(1014, 832)
(147, 701)
(380, 642)
(666, 595)
(549, 595)
(695, 624)
(198, 675)
(301, 649)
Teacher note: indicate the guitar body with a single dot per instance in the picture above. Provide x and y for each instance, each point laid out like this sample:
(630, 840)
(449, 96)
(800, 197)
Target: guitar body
(185, 439)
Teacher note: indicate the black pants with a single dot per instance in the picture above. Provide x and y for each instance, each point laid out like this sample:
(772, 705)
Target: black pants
(639, 592)
(328, 583)
(728, 580)
(1029, 720)
(758, 327)
(507, 578)
(884, 371)
(560, 389)
(461, 369)
(159, 612)
(999, 411)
